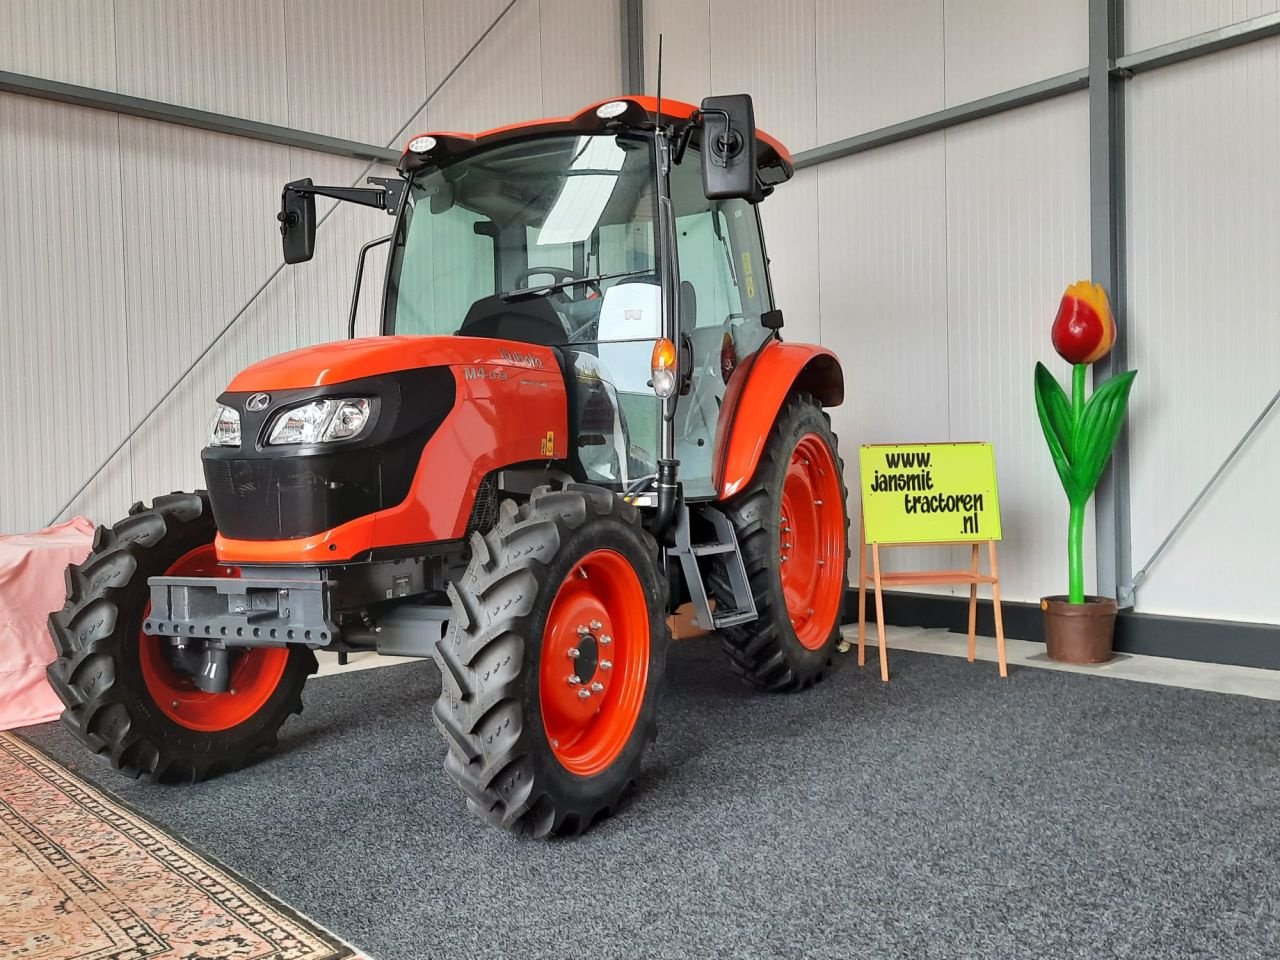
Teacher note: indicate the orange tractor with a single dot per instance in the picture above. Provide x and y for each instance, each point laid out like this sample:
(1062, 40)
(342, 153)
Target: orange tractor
(579, 415)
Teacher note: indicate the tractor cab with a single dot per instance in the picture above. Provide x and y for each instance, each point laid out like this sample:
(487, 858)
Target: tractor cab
(603, 238)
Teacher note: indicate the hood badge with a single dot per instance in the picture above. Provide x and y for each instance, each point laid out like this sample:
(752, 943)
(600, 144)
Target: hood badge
(257, 402)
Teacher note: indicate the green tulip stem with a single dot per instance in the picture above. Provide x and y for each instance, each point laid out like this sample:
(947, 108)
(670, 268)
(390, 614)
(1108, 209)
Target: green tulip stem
(1075, 530)
(1079, 374)
(1075, 552)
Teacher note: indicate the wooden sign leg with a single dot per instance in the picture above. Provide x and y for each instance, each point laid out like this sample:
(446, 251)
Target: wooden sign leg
(995, 605)
(862, 593)
(973, 601)
(884, 647)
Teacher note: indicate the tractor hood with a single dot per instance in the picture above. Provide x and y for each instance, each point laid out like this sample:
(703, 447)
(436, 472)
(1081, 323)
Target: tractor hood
(332, 363)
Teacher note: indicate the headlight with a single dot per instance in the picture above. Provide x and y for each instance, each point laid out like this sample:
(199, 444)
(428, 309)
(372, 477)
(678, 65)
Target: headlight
(320, 421)
(224, 431)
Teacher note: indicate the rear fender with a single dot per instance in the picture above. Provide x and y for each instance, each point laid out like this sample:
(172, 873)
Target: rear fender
(755, 394)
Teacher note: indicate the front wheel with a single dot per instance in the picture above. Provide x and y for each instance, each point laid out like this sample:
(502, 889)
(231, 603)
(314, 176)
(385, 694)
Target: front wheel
(125, 698)
(553, 662)
(793, 529)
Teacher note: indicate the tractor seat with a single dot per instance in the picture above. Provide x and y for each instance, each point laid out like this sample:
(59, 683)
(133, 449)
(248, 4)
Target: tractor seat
(526, 321)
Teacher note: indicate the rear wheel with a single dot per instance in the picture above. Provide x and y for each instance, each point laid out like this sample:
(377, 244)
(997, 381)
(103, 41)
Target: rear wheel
(125, 698)
(553, 662)
(793, 529)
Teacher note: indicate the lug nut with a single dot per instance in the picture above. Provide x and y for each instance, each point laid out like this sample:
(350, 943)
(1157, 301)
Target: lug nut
(606, 664)
(582, 631)
(573, 678)
(584, 693)
(596, 624)
(573, 653)
(174, 705)
(555, 743)
(606, 639)
(817, 503)
(597, 687)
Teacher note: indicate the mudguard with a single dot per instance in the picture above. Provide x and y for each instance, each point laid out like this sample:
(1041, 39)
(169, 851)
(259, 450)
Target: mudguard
(754, 396)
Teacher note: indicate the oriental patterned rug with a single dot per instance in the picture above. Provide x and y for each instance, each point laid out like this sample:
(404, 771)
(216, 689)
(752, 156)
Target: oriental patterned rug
(84, 878)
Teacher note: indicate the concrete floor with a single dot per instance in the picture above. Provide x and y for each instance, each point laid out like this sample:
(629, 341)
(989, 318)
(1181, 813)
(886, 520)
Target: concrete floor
(1217, 678)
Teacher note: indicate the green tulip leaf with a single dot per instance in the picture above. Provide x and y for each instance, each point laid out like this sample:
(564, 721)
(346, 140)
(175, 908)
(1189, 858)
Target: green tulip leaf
(1055, 421)
(1099, 427)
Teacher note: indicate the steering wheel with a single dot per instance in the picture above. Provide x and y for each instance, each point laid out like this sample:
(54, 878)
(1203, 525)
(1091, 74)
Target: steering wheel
(558, 274)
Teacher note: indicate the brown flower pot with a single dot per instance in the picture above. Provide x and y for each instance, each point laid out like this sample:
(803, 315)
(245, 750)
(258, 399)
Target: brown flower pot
(1079, 632)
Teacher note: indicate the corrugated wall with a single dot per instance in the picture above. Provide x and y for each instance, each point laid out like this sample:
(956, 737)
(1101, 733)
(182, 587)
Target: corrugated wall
(1204, 314)
(932, 267)
(132, 243)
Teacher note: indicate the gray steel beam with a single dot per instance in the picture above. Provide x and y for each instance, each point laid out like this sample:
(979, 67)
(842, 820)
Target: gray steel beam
(96, 99)
(632, 17)
(952, 116)
(1188, 48)
(1112, 524)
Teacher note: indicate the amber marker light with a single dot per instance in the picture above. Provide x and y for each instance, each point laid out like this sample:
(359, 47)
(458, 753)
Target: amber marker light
(664, 368)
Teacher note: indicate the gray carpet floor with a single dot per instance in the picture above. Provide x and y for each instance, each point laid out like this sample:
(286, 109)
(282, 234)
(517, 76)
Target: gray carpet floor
(946, 815)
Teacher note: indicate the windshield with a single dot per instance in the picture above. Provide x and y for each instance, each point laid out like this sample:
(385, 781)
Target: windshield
(523, 241)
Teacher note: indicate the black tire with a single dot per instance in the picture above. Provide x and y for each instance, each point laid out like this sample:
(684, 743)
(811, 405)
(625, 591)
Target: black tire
(489, 710)
(767, 652)
(98, 672)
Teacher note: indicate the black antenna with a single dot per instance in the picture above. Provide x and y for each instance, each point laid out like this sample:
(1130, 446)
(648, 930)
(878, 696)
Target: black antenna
(659, 117)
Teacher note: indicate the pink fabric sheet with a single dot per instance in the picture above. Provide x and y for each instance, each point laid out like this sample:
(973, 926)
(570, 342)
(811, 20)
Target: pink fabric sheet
(31, 587)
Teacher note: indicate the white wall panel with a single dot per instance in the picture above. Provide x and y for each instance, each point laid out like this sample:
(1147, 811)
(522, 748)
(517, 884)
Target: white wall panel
(1149, 23)
(501, 82)
(198, 239)
(1018, 232)
(63, 353)
(356, 70)
(228, 56)
(1204, 327)
(685, 26)
(790, 219)
(68, 40)
(879, 62)
(766, 48)
(995, 45)
(883, 261)
(580, 53)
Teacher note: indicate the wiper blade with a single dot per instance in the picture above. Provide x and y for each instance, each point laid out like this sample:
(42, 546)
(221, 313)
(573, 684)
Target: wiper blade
(545, 288)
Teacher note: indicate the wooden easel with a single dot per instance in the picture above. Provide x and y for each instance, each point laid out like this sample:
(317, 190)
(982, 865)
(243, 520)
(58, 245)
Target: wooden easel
(972, 576)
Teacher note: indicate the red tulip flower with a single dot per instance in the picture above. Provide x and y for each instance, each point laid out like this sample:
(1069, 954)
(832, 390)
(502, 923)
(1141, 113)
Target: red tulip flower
(1084, 330)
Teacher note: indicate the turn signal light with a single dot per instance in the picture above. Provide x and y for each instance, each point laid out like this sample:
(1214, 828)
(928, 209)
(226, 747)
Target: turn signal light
(664, 368)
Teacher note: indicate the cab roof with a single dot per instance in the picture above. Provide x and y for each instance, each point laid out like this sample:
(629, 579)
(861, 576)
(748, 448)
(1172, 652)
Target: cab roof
(773, 160)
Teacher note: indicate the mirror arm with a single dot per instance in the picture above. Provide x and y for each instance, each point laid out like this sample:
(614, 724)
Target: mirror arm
(385, 196)
(681, 140)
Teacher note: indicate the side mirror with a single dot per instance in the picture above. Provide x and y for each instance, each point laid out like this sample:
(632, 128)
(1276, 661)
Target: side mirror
(297, 218)
(729, 148)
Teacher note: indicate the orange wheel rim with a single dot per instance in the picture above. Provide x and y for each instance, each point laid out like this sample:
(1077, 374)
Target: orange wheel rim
(255, 672)
(594, 665)
(811, 541)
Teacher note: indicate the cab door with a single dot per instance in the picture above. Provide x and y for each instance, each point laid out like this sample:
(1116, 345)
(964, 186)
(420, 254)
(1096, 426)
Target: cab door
(724, 291)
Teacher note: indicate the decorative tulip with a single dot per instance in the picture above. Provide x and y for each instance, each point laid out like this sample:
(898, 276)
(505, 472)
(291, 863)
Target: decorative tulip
(1081, 434)
(1084, 330)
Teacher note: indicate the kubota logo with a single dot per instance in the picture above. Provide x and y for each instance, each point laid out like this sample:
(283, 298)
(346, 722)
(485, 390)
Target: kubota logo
(257, 402)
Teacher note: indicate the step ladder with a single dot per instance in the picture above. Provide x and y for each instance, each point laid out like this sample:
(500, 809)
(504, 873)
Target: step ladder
(722, 551)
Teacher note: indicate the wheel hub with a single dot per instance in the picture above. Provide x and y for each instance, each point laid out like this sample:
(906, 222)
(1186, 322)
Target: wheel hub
(812, 541)
(594, 662)
(587, 657)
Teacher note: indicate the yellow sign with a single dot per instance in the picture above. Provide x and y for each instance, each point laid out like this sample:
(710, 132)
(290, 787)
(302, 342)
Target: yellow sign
(929, 492)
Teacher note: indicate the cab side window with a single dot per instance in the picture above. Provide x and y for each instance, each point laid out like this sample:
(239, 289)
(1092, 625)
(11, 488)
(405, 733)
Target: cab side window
(724, 291)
